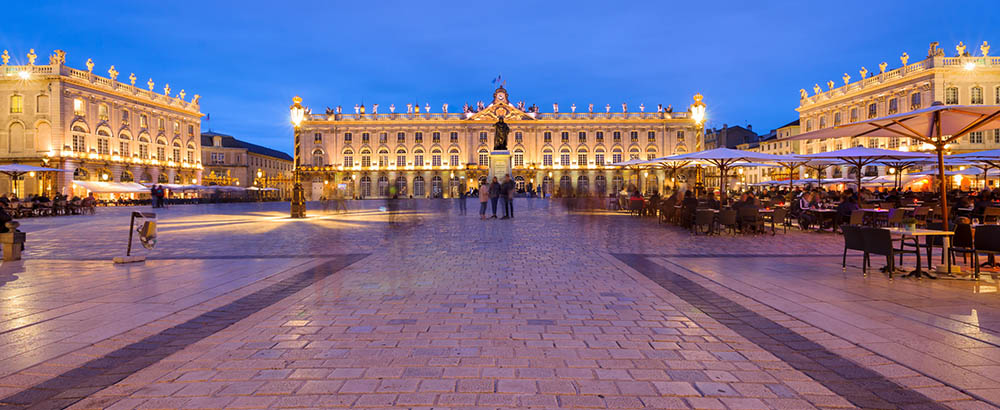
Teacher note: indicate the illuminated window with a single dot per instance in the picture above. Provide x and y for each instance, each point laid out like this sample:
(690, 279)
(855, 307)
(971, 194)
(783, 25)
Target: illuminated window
(383, 157)
(79, 139)
(400, 157)
(633, 136)
(79, 107)
(102, 112)
(176, 151)
(581, 157)
(564, 136)
(547, 158)
(123, 149)
(951, 95)
(348, 158)
(436, 158)
(318, 137)
(418, 137)
(484, 157)
(651, 136)
(365, 137)
(454, 136)
(914, 101)
(976, 95)
(347, 137)
(143, 151)
(16, 104)
(318, 158)
(633, 154)
(976, 137)
(547, 136)
(435, 137)
(366, 158)
(599, 157)
(893, 106)
(143, 121)
(616, 155)
(418, 158)
(453, 160)
(564, 157)
(518, 158)
(103, 146)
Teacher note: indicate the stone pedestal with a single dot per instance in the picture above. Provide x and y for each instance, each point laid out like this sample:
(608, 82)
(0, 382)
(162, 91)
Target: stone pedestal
(499, 165)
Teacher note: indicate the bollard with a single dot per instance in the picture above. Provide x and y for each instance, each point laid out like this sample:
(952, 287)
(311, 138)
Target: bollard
(12, 242)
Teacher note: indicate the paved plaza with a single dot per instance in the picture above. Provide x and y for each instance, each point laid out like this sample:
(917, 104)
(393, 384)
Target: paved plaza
(240, 307)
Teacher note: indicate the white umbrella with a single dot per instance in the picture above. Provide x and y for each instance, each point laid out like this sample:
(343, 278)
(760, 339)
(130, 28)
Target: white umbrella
(860, 157)
(937, 125)
(725, 158)
(14, 171)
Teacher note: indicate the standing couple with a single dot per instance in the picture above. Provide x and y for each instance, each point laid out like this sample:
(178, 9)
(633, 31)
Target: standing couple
(157, 193)
(497, 191)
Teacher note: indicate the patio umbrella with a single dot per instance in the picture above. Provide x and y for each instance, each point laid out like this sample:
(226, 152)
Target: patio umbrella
(14, 171)
(937, 125)
(794, 161)
(983, 159)
(860, 157)
(672, 164)
(635, 165)
(726, 158)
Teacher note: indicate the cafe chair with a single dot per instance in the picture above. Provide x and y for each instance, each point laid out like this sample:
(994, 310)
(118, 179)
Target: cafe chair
(750, 220)
(987, 241)
(991, 215)
(779, 217)
(878, 241)
(703, 218)
(963, 243)
(853, 240)
(929, 243)
(727, 219)
(895, 217)
(857, 218)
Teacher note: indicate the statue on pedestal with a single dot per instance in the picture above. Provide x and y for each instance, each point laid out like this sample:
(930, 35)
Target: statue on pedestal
(500, 135)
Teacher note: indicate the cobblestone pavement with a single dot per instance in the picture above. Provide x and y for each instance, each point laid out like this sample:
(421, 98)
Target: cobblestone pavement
(240, 307)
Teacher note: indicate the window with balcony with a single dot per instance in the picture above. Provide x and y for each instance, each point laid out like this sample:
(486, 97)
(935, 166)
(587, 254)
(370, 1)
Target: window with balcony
(633, 136)
(365, 137)
(453, 136)
(79, 107)
(16, 104)
(599, 136)
(651, 136)
(872, 110)
(951, 95)
(435, 137)
(318, 138)
(547, 137)
(400, 137)
(348, 137)
(914, 101)
(418, 137)
(976, 95)
(564, 136)
(616, 136)
(383, 137)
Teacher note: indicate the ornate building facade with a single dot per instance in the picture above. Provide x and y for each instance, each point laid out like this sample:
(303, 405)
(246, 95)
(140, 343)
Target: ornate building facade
(969, 77)
(230, 161)
(420, 153)
(99, 128)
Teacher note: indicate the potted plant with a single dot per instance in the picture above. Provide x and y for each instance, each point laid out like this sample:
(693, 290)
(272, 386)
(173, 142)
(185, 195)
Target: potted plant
(910, 223)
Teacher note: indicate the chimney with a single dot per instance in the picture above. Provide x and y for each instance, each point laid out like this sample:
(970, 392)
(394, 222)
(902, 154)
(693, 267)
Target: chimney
(749, 127)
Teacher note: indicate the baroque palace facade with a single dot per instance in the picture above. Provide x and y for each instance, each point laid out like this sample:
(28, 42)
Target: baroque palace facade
(419, 153)
(966, 78)
(97, 127)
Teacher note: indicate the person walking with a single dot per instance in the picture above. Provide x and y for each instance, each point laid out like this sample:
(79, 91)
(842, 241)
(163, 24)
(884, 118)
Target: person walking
(152, 196)
(494, 195)
(462, 210)
(504, 195)
(484, 197)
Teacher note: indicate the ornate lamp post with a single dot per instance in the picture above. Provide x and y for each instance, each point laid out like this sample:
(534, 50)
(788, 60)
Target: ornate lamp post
(698, 115)
(298, 194)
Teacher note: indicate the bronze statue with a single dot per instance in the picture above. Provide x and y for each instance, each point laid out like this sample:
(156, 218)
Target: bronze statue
(500, 137)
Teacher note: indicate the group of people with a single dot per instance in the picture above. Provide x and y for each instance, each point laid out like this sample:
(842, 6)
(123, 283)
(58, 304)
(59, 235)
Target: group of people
(497, 191)
(157, 193)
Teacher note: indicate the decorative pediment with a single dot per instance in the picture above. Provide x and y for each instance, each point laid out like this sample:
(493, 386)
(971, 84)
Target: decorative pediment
(500, 107)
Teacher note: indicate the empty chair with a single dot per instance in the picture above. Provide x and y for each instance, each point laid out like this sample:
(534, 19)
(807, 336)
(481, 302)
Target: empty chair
(991, 215)
(703, 218)
(727, 219)
(853, 240)
(857, 218)
(963, 243)
(987, 241)
(779, 217)
(749, 218)
(895, 217)
(878, 241)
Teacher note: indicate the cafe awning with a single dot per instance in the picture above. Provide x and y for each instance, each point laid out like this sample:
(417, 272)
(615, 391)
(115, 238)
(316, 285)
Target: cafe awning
(103, 187)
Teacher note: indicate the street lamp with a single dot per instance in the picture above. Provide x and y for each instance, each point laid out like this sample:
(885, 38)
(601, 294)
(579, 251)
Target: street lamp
(298, 194)
(698, 115)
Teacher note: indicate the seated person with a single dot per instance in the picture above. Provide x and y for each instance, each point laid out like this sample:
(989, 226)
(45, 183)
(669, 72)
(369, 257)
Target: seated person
(711, 202)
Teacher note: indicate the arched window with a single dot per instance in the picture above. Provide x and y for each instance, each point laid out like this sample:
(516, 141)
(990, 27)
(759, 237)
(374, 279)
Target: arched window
(383, 186)
(565, 186)
(143, 146)
(16, 137)
(951, 95)
(547, 157)
(176, 151)
(42, 104)
(599, 156)
(436, 157)
(126, 176)
(519, 183)
(453, 157)
(652, 184)
(616, 155)
(437, 186)
(518, 158)
(348, 184)
(383, 157)
(484, 157)
(617, 183)
(190, 152)
(418, 187)
(401, 185)
(401, 157)
(976, 95)
(564, 157)
(418, 157)
(582, 186)
(650, 153)
(81, 174)
(547, 185)
(348, 158)
(16, 104)
(318, 159)
(600, 185)
(103, 141)
(366, 161)
(822, 122)
(366, 185)
(581, 156)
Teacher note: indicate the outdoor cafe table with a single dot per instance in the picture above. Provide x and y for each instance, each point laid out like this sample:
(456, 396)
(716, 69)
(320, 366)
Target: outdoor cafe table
(926, 233)
(873, 214)
(823, 214)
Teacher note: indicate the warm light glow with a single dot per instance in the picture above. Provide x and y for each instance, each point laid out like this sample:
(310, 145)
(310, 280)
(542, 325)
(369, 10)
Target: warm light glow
(970, 66)
(297, 111)
(260, 174)
(892, 170)
(195, 181)
(104, 177)
(31, 174)
(24, 75)
(958, 179)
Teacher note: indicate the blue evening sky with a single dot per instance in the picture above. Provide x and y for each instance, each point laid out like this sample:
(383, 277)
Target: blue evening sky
(247, 59)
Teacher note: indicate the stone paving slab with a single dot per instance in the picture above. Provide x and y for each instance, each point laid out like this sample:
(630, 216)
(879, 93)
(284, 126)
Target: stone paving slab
(449, 311)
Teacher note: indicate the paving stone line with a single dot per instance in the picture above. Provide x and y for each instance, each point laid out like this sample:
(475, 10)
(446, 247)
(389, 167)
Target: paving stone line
(65, 389)
(861, 386)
